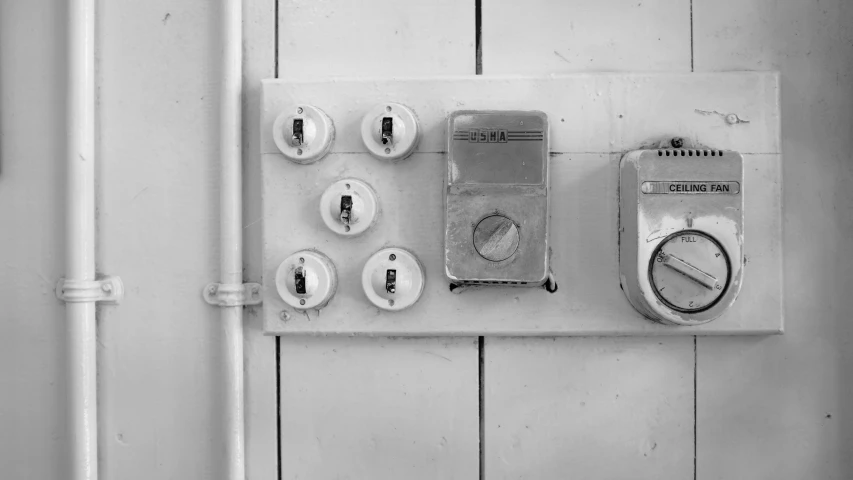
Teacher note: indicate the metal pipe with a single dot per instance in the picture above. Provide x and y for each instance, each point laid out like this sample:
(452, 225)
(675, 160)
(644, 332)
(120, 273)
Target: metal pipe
(80, 241)
(231, 231)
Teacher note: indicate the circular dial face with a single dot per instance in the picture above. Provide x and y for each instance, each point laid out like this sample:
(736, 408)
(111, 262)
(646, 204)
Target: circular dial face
(689, 271)
(496, 238)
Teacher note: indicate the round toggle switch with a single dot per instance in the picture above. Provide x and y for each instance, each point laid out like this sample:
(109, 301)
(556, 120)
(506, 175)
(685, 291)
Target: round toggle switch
(393, 279)
(306, 279)
(496, 238)
(303, 133)
(390, 131)
(349, 207)
(689, 271)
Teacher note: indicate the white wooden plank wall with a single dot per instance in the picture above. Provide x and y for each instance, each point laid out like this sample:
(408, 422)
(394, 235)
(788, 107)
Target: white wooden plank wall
(597, 407)
(775, 407)
(158, 228)
(261, 361)
(382, 408)
(780, 407)
(32, 329)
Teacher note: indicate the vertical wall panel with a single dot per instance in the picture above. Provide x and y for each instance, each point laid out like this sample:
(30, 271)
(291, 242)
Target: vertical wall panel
(379, 408)
(562, 438)
(259, 24)
(780, 407)
(589, 408)
(375, 38)
(158, 213)
(32, 227)
(543, 36)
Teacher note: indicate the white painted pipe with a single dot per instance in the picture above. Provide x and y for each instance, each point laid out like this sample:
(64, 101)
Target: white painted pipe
(80, 241)
(231, 229)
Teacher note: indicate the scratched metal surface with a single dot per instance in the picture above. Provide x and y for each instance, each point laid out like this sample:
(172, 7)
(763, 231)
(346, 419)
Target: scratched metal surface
(583, 205)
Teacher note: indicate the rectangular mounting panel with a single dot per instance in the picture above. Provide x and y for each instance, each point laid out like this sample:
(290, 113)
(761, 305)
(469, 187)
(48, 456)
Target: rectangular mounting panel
(594, 120)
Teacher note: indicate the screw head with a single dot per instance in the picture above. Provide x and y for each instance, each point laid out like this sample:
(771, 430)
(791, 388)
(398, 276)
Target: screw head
(677, 142)
(302, 301)
(392, 257)
(284, 315)
(732, 119)
(255, 290)
(107, 288)
(211, 289)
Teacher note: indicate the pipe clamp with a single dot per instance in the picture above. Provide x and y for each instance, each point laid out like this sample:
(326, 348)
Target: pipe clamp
(232, 295)
(108, 290)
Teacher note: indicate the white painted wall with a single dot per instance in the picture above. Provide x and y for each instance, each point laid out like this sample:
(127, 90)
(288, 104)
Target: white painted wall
(775, 407)
(32, 173)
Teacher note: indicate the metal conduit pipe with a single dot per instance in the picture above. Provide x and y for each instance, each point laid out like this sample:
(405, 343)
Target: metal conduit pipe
(231, 231)
(80, 242)
(80, 288)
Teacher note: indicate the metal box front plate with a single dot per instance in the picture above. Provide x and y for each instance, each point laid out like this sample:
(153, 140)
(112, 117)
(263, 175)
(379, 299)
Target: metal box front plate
(497, 164)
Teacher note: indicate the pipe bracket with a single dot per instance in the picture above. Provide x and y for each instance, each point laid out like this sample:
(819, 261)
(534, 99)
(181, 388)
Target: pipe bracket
(109, 290)
(232, 295)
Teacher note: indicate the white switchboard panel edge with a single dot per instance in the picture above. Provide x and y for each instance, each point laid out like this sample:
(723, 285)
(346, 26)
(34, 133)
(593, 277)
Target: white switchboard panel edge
(594, 120)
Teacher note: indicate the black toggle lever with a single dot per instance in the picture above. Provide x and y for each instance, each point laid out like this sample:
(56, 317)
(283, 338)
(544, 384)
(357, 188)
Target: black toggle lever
(346, 209)
(298, 135)
(391, 281)
(299, 279)
(387, 130)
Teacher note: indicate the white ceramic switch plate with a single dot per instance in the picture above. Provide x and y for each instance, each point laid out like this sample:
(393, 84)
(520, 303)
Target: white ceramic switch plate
(390, 131)
(303, 133)
(306, 280)
(349, 207)
(594, 121)
(393, 279)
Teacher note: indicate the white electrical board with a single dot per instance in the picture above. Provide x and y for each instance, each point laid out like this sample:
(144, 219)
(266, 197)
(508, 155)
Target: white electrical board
(593, 120)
